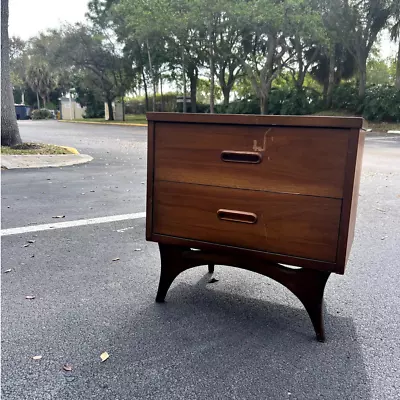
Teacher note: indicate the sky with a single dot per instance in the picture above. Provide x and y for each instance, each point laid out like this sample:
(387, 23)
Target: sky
(29, 17)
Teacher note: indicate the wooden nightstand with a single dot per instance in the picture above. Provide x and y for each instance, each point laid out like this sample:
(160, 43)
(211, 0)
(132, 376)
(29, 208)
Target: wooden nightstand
(255, 192)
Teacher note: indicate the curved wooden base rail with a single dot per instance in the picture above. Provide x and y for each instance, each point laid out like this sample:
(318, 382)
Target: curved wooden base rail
(306, 284)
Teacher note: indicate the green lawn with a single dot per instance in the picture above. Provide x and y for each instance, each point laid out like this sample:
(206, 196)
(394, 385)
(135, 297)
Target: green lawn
(375, 126)
(34, 149)
(129, 119)
(141, 119)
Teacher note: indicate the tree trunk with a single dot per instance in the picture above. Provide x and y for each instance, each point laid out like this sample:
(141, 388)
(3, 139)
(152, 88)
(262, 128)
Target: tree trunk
(263, 110)
(184, 107)
(331, 78)
(226, 91)
(38, 100)
(363, 81)
(123, 107)
(264, 98)
(152, 76)
(397, 84)
(193, 74)
(212, 79)
(146, 94)
(325, 91)
(161, 93)
(9, 127)
(110, 110)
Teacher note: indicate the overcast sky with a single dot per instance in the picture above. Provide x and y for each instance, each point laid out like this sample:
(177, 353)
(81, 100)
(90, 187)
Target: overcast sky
(29, 17)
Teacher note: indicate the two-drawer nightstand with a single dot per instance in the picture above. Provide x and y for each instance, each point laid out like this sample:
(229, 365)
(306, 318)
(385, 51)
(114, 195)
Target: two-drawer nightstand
(254, 192)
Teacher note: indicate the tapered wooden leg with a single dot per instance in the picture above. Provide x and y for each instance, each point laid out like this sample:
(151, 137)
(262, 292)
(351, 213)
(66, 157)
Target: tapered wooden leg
(172, 264)
(307, 285)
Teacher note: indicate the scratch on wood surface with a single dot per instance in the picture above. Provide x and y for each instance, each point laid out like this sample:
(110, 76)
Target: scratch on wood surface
(264, 146)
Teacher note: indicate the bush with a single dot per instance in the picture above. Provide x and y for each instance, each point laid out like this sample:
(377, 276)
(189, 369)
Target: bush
(291, 101)
(345, 98)
(43, 113)
(246, 106)
(94, 109)
(382, 103)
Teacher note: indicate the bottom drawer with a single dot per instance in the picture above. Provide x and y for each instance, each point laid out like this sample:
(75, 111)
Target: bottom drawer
(295, 225)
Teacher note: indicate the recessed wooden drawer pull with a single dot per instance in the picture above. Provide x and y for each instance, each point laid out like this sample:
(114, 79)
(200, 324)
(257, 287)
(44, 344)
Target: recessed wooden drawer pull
(241, 157)
(237, 216)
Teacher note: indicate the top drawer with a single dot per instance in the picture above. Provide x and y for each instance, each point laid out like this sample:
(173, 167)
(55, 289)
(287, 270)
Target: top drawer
(269, 158)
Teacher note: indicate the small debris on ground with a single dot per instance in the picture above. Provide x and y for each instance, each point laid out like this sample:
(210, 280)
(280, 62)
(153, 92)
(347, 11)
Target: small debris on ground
(67, 367)
(37, 357)
(7, 271)
(59, 216)
(116, 259)
(213, 280)
(30, 297)
(104, 356)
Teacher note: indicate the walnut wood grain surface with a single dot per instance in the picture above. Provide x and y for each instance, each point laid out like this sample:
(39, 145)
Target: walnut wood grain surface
(293, 160)
(246, 119)
(294, 225)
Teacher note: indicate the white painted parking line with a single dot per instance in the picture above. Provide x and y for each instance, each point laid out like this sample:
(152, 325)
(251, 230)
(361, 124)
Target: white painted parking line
(71, 224)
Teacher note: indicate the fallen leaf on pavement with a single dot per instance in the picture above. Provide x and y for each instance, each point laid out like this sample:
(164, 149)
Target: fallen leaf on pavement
(26, 245)
(213, 280)
(31, 241)
(92, 191)
(59, 216)
(138, 250)
(37, 357)
(380, 209)
(67, 367)
(30, 297)
(115, 259)
(104, 356)
(7, 270)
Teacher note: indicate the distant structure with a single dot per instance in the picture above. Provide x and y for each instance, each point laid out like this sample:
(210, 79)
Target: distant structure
(70, 109)
(117, 109)
(22, 111)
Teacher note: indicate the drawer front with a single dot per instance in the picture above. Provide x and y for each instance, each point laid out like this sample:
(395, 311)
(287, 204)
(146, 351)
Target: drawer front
(277, 159)
(295, 225)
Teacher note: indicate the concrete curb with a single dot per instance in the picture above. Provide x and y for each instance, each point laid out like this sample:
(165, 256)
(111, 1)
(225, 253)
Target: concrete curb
(43, 161)
(72, 150)
(101, 123)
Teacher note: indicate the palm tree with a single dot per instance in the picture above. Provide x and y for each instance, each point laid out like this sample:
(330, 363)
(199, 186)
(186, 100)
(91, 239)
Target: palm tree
(40, 80)
(9, 127)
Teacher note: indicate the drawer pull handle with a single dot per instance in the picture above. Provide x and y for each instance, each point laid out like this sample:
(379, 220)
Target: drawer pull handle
(237, 216)
(247, 157)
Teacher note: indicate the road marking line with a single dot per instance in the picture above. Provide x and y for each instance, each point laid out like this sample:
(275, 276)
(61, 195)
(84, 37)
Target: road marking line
(70, 224)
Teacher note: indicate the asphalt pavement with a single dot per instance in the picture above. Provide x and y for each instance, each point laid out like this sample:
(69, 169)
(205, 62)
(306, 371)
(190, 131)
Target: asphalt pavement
(243, 337)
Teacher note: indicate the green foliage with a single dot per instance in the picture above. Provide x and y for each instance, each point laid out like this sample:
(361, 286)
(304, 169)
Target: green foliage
(290, 101)
(380, 72)
(382, 103)
(285, 100)
(345, 97)
(43, 113)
